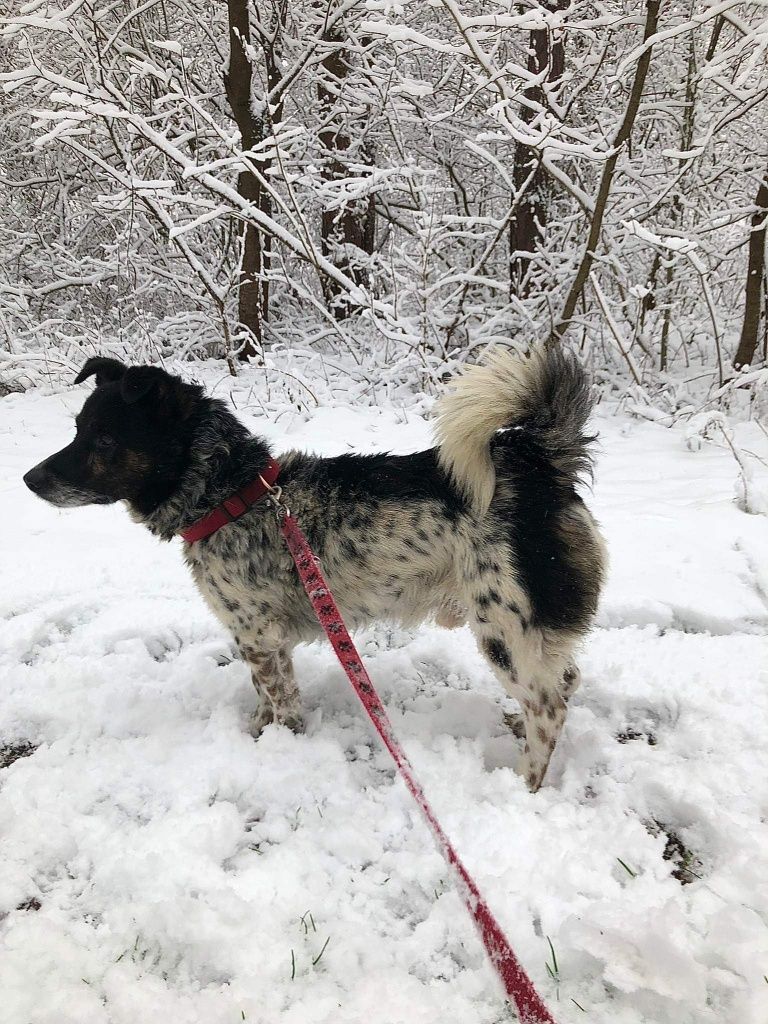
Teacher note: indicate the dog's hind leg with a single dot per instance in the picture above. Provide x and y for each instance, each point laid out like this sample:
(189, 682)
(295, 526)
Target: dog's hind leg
(569, 685)
(451, 615)
(532, 668)
(278, 695)
(544, 712)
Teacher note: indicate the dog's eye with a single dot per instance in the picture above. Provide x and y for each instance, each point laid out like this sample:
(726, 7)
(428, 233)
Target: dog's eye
(103, 443)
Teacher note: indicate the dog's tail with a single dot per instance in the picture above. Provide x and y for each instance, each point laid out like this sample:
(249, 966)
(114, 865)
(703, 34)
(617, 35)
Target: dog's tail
(546, 396)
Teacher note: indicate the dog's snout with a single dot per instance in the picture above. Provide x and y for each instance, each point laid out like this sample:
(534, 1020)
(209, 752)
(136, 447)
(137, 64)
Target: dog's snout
(36, 477)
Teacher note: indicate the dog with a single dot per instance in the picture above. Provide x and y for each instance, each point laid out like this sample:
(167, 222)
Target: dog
(486, 528)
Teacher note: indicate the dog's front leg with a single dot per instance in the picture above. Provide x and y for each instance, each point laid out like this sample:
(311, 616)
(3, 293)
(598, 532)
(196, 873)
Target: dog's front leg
(278, 695)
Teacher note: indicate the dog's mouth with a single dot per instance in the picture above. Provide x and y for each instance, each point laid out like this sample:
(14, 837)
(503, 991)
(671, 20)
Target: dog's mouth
(59, 492)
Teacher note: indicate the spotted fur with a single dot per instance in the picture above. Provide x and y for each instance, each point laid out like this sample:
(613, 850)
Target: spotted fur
(505, 545)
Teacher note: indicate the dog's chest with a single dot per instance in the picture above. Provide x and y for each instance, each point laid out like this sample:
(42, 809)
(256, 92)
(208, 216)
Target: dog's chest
(243, 582)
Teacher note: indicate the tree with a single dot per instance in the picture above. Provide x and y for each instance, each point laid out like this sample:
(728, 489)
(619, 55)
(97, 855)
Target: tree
(620, 139)
(608, 167)
(755, 283)
(347, 233)
(546, 64)
(253, 180)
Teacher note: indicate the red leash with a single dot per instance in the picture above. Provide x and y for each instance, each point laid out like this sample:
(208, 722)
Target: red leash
(517, 984)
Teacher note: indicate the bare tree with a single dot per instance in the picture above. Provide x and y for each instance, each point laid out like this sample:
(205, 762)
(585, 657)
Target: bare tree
(620, 139)
(348, 231)
(755, 283)
(252, 182)
(546, 63)
(146, 202)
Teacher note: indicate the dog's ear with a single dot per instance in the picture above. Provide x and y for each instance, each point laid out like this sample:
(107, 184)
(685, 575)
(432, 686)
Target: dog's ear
(169, 395)
(144, 381)
(106, 370)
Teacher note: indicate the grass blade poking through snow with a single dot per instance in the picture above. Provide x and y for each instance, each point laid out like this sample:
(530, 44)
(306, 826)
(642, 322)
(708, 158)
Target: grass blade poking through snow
(552, 969)
(319, 955)
(627, 868)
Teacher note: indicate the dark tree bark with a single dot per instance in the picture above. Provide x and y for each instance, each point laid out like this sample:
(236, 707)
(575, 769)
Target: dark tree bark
(677, 213)
(253, 285)
(745, 353)
(526, 229)
(350, 233)
(621, 137)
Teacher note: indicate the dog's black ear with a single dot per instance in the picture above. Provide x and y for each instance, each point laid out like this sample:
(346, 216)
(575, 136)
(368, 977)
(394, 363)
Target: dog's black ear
(106, 370)
(142, 381)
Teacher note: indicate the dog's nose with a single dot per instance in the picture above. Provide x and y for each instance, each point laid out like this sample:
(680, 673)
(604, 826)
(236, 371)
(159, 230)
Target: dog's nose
(35, 478)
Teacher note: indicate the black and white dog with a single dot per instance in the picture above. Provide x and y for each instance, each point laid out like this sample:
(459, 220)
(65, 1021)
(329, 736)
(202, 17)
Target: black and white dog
(486, 528)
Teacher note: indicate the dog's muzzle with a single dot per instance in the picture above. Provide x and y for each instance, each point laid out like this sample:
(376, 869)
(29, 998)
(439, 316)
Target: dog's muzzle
(51, 488)
(37, 479)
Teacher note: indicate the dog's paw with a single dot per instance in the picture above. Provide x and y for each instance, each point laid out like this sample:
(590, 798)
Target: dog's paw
(266, 716)
(534, 777)
(260, 720)
(294, 722)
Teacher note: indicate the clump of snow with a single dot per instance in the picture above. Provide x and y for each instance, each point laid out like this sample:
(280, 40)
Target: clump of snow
(158, 864)
(750, 492)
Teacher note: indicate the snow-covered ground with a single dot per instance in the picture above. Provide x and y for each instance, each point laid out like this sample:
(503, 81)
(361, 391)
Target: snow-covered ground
(159, 865)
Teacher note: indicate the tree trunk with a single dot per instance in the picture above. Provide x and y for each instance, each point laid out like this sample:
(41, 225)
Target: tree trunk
(678, 206)
(349, 233)
(755, 277)
(606, 178)
(526, 228)
(253, 288)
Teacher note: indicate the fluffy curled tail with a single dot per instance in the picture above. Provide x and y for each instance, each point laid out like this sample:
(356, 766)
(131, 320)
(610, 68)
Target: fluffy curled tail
(546, 395)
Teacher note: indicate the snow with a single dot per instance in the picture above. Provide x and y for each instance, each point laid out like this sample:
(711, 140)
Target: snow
(158, 864)
(684, 245)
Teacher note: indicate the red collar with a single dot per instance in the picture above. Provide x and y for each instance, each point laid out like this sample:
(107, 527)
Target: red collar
(234, 507)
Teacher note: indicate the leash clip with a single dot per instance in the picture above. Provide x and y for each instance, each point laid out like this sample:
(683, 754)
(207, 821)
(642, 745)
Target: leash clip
(275, 494)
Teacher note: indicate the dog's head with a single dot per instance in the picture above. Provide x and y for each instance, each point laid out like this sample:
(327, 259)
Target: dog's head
(132, 441)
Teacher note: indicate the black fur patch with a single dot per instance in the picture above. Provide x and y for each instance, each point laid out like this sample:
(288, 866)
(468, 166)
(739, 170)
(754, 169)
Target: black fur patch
(350, 549)
(562, 594)
(368, 481)
(497, 653)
